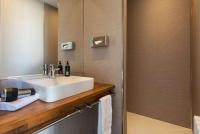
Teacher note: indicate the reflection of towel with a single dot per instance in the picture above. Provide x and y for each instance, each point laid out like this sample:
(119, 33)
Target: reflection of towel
(105, 115)
(15, 105)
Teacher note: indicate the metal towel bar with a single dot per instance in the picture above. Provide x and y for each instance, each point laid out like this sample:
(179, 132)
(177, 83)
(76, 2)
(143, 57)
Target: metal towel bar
(77, 111)
(56, 122)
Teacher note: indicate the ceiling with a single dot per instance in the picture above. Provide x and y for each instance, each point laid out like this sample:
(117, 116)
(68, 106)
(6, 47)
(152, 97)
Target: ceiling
(53, 3)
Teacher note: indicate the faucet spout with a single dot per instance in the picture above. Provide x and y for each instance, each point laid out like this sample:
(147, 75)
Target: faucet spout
(52, 71)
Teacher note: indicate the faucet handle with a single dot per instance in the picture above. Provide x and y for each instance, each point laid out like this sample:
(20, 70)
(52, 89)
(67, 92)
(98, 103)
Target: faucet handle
(52, 70)
(57, 69)
(51, 66)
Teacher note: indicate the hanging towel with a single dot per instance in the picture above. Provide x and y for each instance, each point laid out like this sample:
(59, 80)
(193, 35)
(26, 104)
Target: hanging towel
(105, 115)
(20, 103)
(196, 125)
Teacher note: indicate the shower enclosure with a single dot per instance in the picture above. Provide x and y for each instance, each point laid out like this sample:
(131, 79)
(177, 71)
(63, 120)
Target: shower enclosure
(158, 60)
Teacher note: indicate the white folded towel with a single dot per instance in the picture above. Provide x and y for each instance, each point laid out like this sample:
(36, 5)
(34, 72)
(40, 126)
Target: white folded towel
(20, 103)
(105, 115)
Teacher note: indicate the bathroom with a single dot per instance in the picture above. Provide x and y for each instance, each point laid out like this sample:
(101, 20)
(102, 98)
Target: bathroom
(142, 55)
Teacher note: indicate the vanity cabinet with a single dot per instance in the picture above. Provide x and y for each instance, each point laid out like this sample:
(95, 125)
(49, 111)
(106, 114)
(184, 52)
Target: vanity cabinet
(38, 115)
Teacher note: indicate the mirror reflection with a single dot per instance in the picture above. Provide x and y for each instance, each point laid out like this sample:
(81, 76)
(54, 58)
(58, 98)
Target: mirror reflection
(31, 34)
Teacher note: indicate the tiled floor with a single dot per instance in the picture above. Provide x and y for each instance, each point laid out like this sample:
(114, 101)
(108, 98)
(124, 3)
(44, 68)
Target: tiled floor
(138, 124)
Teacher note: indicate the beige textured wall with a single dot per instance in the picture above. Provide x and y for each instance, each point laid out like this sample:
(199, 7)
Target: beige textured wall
(1, 9)
(71, 29)
(195, 58)
(104, 64)
(104, 17)
(70, 15)
(125, 66)
(159, 60)
(50, 34)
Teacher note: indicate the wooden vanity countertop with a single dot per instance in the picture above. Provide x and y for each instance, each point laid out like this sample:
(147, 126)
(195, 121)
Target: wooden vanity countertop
(40, 114)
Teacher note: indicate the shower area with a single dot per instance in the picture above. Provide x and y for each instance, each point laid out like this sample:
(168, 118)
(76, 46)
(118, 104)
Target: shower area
(162, 66)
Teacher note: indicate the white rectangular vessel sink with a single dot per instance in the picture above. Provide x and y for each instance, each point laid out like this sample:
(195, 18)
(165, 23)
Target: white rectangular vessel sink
(51, 90)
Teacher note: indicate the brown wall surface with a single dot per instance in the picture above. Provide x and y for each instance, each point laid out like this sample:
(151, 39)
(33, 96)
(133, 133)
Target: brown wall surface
(79, 20)
(159, 60)
(50, 34)
(70, 13)
(1, 44)
(195, 57)
(104, 17)
(71, 29)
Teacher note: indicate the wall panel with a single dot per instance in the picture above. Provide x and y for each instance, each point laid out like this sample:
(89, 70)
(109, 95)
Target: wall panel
(104, 17)
(159, 60)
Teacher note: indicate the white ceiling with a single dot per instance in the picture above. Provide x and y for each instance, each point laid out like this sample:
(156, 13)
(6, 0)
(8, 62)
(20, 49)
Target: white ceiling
(52, 2)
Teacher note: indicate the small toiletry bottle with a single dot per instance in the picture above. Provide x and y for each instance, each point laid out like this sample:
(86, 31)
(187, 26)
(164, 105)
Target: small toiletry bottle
(67, 69)
(60, 71)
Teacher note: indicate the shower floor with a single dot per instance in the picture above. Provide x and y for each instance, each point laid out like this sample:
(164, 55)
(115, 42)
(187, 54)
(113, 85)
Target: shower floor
(138, 124)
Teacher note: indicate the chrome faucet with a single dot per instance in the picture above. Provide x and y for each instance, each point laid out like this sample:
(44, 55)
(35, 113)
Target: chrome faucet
(52, 71)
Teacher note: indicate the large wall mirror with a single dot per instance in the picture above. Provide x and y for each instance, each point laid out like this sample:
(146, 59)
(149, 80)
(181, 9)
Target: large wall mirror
(32, 31)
